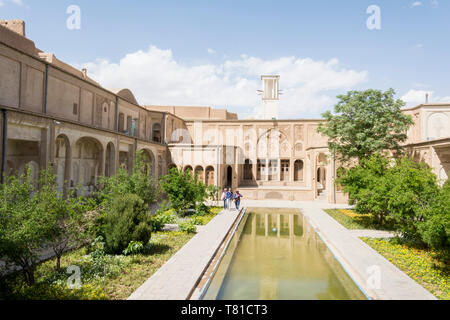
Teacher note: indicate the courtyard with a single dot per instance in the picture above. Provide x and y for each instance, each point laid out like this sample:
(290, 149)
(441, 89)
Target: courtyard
(170, 175)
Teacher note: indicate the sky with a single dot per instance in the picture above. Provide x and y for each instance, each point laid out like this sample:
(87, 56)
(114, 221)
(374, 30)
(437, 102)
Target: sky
(212, 53)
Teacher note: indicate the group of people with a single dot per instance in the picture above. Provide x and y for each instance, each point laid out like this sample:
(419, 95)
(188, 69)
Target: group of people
(228, 196)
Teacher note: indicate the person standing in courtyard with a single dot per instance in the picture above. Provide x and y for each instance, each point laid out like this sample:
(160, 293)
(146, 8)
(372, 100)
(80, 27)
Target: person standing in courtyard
(237, 199)
(229, 197)
(224, 198)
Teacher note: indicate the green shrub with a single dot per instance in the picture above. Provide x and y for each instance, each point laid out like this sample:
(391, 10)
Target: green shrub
(435, 230)
(161, 218)
(202, 210)
(126, 220)
(183, 189)
(100, 264)
(407, 193)
(367, 186)
(97, 227)
(197, 221)
(134, 247)
(412, 187)
(187, 227)
(157, 223)
(164, 206)
(125, 201)
(398, 191)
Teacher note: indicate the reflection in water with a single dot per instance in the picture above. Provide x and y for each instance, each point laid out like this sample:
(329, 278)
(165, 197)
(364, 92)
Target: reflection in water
(279, 256)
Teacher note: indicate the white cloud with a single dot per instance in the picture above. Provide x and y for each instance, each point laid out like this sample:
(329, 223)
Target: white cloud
(211, 51)
(415, 4)
(155, 77)
(434, 3)
(416, 97)
(18, 2)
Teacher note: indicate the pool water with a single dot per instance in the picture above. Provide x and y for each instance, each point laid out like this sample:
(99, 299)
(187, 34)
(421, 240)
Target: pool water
(276, 255)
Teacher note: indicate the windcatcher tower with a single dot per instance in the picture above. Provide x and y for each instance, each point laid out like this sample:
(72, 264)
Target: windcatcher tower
(270, 97)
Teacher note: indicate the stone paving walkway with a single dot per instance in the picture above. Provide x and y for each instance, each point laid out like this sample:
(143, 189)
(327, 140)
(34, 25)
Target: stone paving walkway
(176, 279)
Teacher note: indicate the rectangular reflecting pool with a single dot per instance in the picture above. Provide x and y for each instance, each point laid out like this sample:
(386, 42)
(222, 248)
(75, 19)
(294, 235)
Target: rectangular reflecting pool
(276, 255)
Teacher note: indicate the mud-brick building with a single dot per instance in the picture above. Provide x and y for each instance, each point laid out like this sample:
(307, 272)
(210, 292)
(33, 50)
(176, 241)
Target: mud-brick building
(53, 115)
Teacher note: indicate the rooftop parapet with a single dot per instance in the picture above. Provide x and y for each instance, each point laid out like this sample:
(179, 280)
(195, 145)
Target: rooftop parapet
(18, 26)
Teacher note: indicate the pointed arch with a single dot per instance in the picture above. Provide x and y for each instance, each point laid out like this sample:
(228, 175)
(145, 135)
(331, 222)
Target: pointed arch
(63, 160)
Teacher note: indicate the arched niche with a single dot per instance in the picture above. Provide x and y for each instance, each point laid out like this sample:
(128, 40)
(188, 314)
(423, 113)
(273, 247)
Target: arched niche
(210, 175)
(200, 173)
(437, 126)
(88, 154)
(298, 170)
(110, 160)
(62, 164)
(149, 159)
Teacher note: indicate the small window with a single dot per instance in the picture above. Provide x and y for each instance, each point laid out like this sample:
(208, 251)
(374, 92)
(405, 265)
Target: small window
(157, 132)
(75, 108)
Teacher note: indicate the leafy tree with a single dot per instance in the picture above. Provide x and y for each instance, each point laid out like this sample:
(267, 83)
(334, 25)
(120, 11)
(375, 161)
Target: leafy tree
(33, 218)
(54, 207)
(200, 191)
(24, 229)
(127, 219)
(70, 222)
(364, 123)
(183, 189)
(140, 183)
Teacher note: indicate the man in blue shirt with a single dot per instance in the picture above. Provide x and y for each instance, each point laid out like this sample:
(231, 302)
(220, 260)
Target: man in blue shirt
(229, 197)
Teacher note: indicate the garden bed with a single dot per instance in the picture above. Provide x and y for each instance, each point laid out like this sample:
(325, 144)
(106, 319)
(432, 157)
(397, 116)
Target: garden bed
(418, 263)
(116, 279)
(201, 220)
(354, 221)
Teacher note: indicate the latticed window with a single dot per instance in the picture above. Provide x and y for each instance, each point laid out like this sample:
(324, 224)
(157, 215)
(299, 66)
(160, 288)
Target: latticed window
(285, 164)
(248, 175)
(261, 166)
